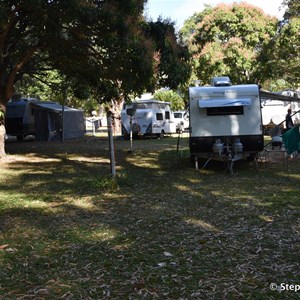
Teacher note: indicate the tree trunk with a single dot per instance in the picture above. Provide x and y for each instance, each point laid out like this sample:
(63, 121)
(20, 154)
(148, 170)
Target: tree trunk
(116, 107)
(5, 94)
(2, 142)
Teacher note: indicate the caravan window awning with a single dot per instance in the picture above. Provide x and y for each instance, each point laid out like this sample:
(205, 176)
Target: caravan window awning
(205, 103)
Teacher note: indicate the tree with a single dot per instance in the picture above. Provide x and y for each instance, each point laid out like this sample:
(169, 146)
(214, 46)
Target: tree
(283, 54)
(97, 43)
(227, 40)
(280, 57)
(176, 102)
(171, 56)
(292, 8)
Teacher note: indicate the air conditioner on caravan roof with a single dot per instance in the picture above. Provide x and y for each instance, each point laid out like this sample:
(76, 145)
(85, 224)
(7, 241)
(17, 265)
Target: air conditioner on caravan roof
(220, 81)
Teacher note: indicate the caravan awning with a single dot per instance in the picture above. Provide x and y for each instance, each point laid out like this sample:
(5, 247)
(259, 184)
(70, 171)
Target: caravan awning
(205, 103)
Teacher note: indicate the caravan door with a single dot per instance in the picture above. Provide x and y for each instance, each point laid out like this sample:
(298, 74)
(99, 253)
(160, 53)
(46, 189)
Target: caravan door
(170, 125)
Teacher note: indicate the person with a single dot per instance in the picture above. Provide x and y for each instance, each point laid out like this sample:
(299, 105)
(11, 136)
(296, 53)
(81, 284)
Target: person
(288, 120)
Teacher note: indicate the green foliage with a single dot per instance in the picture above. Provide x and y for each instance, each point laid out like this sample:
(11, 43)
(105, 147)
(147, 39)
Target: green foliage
(176, 102)
(292, 8)
(281, 56)
(100, 183)
(227, 40)
(95, 43)
(171, 58)
(96, 49)
(45, 86)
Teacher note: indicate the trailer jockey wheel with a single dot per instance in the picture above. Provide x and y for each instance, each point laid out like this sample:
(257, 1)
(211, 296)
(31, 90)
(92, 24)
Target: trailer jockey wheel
(229, 166)
(229, 163)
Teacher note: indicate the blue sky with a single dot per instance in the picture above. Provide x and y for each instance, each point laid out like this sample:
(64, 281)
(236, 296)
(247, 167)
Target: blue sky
(180, 10)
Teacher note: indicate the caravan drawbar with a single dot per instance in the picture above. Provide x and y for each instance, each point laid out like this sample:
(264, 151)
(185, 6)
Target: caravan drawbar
(225, 121)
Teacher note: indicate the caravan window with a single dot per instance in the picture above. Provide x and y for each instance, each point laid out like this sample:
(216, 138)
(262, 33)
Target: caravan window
(159, 116)
(225, 111)
(178, 115)
(167, 115)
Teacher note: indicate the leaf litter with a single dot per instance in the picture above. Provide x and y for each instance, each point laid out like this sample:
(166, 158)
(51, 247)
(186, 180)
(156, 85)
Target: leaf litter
(173, 234)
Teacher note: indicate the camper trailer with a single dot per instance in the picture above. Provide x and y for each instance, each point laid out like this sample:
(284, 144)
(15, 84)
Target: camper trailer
(43, 120)
(147, 118)
(225, 122)
(19, 119)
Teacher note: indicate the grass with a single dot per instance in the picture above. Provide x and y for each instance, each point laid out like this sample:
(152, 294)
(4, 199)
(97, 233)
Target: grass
(161, 230)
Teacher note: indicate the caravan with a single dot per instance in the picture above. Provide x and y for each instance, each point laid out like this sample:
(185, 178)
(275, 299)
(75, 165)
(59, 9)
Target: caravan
(19, 120)
(147, 118)
(225, 122)
(274, 111)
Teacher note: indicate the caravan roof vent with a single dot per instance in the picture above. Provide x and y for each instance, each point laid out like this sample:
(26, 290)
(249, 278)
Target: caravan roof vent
(220, 81)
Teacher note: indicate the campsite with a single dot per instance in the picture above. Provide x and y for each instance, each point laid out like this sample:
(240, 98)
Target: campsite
(161, 230)
(149, 157)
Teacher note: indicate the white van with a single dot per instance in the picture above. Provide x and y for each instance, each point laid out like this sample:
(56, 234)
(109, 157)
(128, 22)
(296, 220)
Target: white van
(148, 117)
(182, 120)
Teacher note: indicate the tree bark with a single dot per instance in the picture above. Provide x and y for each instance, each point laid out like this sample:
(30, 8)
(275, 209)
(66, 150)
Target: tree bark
(115, 109)
(2, 142)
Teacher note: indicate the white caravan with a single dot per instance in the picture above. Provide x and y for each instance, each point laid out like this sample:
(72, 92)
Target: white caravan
(148, 117)
(225, 122)
(274, 111)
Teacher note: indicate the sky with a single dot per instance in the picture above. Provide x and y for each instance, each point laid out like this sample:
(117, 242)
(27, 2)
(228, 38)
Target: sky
(180, 10)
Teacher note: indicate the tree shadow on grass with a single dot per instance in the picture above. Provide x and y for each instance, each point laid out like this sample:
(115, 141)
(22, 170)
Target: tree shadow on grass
(168, 231)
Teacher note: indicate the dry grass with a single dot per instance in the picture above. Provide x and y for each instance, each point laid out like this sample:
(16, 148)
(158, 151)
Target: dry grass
(162, 230)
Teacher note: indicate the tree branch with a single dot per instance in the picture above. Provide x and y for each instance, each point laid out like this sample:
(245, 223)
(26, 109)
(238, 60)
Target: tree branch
(12, 75)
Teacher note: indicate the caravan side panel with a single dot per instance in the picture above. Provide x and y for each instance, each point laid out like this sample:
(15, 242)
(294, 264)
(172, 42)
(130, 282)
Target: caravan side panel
(151, 117)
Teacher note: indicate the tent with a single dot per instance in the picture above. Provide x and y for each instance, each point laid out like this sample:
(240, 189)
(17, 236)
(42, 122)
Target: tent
(53, 121)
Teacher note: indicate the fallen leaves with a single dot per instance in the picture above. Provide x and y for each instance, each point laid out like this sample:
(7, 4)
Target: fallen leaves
(167, 232)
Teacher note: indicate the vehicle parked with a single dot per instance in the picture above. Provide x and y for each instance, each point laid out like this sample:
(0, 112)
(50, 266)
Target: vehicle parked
(147, 118)
(182, 120)
(274, 111)
(19, 119)
(225, 122)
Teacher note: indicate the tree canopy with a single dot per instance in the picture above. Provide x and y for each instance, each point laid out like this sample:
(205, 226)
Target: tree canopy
(92, 42)
(106, 46)
(172, 57)
(176, 101)
(280, 57)
(227, 39)
(292, 8)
